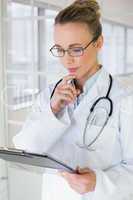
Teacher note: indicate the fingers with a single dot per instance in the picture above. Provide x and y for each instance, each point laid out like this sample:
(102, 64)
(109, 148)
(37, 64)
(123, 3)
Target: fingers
(81, 183)
(65, 85)
(83, 170)
(70, 177)
(67, 91)
(74, 177)
(65, 98)
(72, 181)
(71, 88)
(67, 78)
(75, 181)
(64, 94)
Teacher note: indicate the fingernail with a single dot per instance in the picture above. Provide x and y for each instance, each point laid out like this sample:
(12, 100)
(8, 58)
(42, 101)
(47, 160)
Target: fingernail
(62, 172)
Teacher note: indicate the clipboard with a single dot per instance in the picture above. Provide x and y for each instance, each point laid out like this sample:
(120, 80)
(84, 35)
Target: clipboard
(33, 159)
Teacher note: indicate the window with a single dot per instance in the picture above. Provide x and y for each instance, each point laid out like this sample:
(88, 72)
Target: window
(118, 46)
(28, 35)
(129, 56)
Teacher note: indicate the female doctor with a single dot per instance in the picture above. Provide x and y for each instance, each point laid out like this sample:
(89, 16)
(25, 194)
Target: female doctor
(86, 119)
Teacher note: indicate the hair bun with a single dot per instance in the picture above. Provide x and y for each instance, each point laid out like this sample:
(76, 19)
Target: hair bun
(90, 4)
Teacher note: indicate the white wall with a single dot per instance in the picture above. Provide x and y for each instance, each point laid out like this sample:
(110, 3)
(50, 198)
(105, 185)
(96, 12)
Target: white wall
(24, 184)
(118, 10)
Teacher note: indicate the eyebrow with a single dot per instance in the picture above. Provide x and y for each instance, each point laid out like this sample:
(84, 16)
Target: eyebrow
(71, 45)
(75, 44)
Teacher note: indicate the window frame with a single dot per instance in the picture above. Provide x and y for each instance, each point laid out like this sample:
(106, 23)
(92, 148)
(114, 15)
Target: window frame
(36, 73)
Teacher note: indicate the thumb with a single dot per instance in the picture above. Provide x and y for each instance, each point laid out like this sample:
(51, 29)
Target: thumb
(83, 170)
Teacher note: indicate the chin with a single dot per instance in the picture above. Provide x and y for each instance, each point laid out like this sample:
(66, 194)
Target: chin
(78, 76)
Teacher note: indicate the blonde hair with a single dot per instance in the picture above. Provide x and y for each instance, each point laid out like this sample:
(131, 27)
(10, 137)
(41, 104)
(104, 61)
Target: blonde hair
(82, 11)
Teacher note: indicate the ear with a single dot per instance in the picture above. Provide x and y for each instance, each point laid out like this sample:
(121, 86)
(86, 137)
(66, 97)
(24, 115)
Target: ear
(99, 42)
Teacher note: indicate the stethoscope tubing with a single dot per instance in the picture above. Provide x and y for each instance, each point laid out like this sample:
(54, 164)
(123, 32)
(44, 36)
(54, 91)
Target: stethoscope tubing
(106, 97)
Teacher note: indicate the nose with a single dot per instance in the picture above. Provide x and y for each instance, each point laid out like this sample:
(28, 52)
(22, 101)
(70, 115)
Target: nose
(68, 59)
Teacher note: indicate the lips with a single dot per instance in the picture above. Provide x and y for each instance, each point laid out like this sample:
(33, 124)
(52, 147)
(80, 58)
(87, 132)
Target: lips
(72, 70)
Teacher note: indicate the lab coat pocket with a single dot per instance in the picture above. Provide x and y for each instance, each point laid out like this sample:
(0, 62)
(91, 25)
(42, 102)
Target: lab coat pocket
(100, 138)
(105, 145)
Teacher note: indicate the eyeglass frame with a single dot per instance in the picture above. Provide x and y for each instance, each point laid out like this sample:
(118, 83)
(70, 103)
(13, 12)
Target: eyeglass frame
(83, 48)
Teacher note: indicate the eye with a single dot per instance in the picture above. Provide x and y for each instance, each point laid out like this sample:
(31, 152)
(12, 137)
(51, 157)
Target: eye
(77, 49)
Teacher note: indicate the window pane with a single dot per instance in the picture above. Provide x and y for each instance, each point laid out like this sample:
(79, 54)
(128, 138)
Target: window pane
(50, 13)
(20, 89)
(129, 55)
(17, 116)
(22, 44)
(113, 53)
(106, 52)
(54, 68)
(118, 49)
(52, 62)
(18, 10)
(47, 63)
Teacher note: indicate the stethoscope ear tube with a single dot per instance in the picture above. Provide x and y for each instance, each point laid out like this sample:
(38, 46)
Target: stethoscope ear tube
(110, 85)
(55, 88)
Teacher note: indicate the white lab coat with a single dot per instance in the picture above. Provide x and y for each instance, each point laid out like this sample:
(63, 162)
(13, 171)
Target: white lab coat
(112, 159)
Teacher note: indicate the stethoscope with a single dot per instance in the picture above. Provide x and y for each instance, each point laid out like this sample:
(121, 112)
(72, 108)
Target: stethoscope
(90, 116)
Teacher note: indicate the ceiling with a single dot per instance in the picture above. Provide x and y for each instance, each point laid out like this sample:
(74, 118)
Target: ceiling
(118, 10)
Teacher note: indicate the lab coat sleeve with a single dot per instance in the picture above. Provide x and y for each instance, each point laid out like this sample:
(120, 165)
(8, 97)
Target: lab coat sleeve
(42, 128)
(117, 182)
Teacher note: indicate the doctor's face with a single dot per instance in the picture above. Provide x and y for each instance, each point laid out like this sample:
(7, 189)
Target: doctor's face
(71, 36)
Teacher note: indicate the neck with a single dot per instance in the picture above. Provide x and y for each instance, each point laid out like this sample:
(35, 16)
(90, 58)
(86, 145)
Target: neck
(93, 70)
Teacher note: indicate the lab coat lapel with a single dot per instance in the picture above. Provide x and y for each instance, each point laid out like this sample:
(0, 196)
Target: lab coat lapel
(99, 89)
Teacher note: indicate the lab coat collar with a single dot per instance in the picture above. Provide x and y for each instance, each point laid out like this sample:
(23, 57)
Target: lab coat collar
(90, 82)
(98, 89)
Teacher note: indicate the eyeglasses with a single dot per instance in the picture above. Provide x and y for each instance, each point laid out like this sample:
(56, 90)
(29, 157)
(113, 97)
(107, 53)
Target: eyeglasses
(73, 51)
